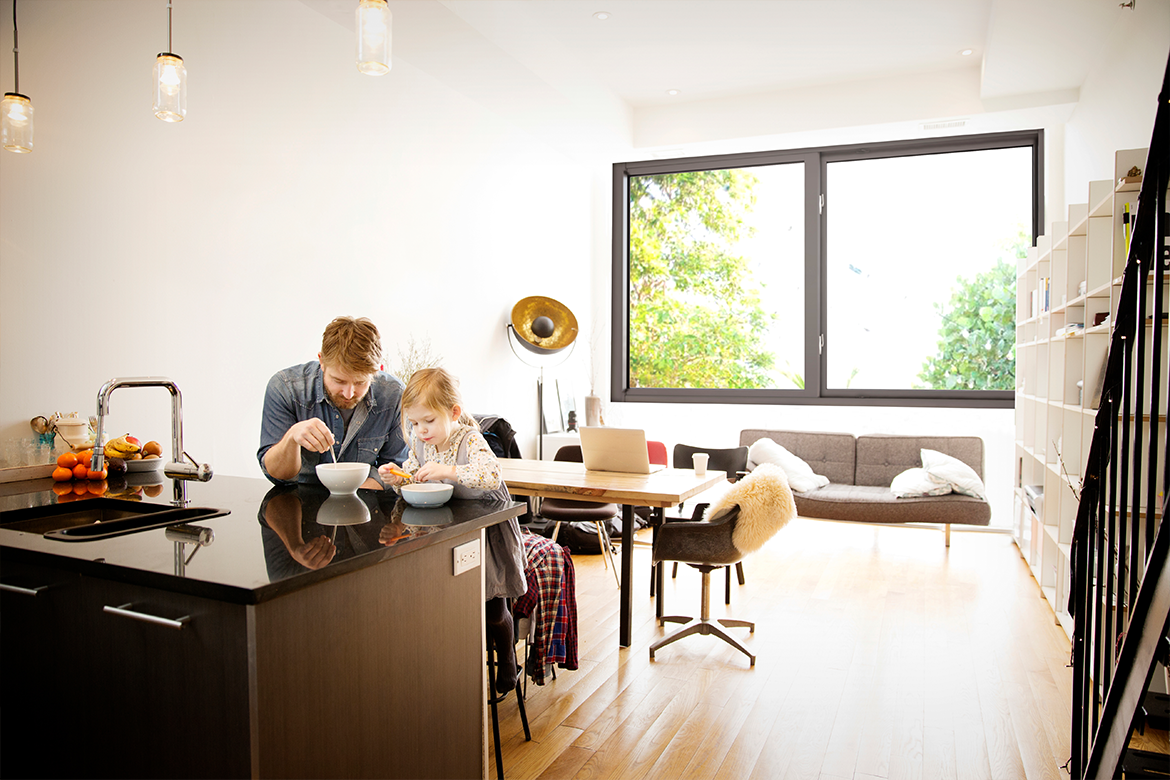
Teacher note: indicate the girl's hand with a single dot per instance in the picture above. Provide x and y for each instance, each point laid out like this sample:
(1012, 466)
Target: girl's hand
(434, 472)
(393, 475)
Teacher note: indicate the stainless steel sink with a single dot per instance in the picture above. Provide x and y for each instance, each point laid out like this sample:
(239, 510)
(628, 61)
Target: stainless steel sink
(100, 518)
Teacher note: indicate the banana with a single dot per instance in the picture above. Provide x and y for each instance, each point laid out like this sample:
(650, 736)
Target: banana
(123, 445)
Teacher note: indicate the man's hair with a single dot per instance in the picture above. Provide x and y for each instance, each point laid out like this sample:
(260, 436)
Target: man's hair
(353, 345)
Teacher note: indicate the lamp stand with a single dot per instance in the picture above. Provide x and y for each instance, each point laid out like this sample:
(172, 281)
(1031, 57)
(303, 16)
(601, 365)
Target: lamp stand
(540, 415)
(539, 363)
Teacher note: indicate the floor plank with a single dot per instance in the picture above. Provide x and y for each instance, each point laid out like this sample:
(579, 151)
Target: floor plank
(880, 652)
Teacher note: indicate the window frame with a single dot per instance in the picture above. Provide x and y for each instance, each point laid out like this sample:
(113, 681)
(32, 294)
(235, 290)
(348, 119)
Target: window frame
(816, 160)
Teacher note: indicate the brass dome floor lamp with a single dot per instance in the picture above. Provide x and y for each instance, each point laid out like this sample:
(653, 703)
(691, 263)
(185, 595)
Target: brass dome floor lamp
(547, 331)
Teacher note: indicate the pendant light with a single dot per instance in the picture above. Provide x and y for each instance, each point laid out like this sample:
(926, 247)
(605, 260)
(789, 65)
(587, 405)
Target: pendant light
(373, 37)
(16, 111)
(170, 82)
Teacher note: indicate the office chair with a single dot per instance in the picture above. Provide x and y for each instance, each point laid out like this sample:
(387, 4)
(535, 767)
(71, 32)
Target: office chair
(739, 523)
(733, 460)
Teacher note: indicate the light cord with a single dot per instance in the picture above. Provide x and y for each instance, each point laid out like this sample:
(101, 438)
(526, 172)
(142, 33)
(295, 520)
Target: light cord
(15, 50)
(170, 43)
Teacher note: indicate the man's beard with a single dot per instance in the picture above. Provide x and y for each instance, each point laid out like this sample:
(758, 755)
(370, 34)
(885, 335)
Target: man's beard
(341, 403)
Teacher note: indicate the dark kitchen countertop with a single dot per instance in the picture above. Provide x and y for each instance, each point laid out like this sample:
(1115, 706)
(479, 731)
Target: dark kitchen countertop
(248, 560)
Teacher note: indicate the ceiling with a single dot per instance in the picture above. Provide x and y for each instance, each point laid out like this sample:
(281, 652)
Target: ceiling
(708, 49)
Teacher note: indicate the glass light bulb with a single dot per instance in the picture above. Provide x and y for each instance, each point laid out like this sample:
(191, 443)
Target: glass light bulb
(373, 37)
(170, 88)
(16, 123)
(169, 79)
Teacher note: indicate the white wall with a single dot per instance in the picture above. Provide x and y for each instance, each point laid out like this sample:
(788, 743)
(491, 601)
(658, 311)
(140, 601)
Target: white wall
(1118, 99)
(216, 250)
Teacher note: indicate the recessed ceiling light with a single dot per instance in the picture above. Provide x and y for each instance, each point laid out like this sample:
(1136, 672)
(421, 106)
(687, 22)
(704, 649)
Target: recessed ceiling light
(674, 91)
(967, 52)
(602, 15)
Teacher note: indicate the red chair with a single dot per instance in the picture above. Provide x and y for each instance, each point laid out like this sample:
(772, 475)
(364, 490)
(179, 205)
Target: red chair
(657, 452)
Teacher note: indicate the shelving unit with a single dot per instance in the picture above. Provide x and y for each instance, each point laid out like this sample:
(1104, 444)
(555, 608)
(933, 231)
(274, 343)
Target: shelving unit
(1066, 304)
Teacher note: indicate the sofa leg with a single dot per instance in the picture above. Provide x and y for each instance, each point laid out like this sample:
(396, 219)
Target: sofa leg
(948, 533)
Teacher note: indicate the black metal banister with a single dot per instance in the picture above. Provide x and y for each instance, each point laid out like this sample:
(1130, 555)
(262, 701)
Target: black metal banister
(1120, 578)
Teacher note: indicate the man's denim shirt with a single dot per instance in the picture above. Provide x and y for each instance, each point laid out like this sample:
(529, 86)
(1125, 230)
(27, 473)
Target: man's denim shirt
(298, 393)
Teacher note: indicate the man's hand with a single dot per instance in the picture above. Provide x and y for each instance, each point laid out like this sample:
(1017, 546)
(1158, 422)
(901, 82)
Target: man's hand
(312, 434)
(315, 553)
(283, 459)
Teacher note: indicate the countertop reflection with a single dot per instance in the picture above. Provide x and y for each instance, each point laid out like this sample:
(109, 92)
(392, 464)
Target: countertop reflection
(305, 527)
(275, 539)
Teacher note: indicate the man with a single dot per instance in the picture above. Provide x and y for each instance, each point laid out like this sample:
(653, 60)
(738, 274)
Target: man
(342, 398)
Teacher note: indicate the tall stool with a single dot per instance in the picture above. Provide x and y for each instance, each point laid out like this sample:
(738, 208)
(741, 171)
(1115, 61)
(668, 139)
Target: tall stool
(494, 700)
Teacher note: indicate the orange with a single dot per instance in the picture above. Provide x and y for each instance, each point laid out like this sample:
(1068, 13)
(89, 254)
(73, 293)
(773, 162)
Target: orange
(85, 456)
(80, 471)
(67, 460)
(62, 474)
(80, 488)
(61, 489)
(97, 487)
(91, 474)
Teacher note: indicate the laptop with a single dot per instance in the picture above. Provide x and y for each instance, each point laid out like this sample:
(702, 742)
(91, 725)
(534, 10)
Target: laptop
(616, 449)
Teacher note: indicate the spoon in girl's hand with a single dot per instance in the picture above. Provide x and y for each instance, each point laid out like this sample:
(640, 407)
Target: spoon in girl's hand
(399, 473)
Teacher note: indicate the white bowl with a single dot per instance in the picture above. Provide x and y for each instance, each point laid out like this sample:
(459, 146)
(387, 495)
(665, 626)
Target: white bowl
(343, 510)
(342, 478)
(427, 515)
(427, 493)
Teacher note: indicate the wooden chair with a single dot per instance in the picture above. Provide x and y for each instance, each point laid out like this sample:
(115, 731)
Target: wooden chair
(566, 511)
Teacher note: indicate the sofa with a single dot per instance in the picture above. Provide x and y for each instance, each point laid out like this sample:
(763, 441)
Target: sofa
(860, 470)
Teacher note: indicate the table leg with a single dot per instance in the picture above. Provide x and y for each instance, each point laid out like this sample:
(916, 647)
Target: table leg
(625, 631)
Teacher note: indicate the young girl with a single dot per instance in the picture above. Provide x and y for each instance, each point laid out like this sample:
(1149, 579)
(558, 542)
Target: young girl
(447, 446)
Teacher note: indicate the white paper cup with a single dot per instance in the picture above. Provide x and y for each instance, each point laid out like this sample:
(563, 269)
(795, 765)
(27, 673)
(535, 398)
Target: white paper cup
(700, 461)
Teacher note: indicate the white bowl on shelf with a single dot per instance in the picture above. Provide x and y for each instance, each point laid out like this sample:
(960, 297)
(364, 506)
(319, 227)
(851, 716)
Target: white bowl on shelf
(342, 479)
(427, 493)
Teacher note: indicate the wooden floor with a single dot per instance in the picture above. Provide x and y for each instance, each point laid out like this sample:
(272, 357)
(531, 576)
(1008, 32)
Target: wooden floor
(881, 654)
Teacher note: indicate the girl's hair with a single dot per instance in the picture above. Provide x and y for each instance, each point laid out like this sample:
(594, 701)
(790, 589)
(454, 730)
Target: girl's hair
(435, 389)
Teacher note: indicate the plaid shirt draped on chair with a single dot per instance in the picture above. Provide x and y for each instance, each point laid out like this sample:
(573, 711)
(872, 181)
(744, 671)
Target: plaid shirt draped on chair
(551, 603)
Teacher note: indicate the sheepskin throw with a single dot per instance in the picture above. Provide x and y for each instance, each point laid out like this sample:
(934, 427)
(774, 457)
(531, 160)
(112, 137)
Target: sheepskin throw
(765, 506)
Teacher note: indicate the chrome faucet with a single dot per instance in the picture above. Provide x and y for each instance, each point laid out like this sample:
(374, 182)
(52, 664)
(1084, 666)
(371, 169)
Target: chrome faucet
(177, 468)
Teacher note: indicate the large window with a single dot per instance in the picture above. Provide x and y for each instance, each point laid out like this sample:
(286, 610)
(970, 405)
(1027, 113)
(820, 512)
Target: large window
(881, 274)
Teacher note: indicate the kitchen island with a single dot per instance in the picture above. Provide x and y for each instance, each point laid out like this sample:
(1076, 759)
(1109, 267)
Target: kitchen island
(299, 635)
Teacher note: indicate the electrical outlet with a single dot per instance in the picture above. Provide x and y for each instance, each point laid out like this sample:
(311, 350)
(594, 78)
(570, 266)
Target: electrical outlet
(466, 556)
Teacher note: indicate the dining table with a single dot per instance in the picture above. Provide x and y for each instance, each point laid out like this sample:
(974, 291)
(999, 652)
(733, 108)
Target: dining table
(667, 487)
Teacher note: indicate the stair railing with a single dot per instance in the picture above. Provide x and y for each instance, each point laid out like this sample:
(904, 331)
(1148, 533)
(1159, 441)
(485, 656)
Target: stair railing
(1120, 579)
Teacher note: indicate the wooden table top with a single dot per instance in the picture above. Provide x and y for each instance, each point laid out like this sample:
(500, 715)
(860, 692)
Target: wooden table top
(563, 479)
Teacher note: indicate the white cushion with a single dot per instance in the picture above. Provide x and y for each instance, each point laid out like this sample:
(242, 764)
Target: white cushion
(961, 477)
(916, 482)
(800, 475)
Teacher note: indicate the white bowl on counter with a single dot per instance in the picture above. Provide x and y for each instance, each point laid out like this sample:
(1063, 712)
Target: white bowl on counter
(343, 510)
(427, 493)
(427, 516)
(342, 479)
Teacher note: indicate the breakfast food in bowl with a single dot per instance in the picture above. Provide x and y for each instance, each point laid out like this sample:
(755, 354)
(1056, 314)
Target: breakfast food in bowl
(342, 478)
(427, 493)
